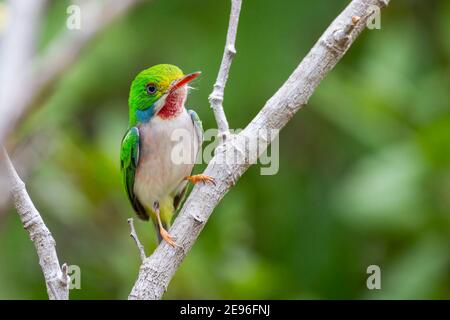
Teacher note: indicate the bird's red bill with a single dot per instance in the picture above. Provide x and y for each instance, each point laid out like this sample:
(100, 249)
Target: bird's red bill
(185, 80)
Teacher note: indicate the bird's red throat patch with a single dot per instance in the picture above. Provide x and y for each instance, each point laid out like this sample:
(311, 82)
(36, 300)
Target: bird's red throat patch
(174, 104)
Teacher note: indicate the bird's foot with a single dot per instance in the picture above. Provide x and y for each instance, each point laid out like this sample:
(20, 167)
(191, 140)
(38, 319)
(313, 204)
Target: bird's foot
(201, 178)
(167, 237)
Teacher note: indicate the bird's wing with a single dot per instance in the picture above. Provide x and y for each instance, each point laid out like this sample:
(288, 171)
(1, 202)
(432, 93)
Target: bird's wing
(179, 197)
(129, 158)
(198, 126)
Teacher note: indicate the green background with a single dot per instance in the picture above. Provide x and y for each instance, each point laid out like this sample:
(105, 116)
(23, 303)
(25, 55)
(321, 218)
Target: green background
(364, 174)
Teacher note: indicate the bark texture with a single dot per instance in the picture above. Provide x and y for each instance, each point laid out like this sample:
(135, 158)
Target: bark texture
(56, 278)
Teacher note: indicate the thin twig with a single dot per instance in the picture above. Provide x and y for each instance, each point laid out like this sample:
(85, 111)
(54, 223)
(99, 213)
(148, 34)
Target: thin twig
(158, 269)
(135, 237)
(216, 97)
(56, 278)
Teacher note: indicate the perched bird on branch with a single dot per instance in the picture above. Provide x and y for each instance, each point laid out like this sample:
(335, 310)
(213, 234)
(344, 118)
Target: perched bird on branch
(155, 176)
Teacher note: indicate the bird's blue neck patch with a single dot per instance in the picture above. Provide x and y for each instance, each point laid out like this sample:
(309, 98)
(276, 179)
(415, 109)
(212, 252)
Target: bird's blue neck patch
(145, 115)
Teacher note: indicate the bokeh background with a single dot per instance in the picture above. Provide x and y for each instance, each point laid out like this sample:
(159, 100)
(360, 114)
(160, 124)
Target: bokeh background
(364, 172)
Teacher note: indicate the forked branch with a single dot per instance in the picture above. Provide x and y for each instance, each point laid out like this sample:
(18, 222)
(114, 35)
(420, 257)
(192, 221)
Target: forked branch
(158, 269)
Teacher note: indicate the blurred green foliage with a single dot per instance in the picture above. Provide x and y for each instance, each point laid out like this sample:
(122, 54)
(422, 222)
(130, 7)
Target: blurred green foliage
(364, 169)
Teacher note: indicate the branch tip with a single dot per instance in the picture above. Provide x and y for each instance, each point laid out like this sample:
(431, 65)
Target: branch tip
(39, 234)
(216, 97)
(65, 279)
(134, 235)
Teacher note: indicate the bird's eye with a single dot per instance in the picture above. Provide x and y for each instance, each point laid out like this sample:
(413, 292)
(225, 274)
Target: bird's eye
(151, 88)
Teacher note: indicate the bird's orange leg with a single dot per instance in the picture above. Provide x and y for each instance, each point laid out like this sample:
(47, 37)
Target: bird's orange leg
(163, 232)
(200, 178)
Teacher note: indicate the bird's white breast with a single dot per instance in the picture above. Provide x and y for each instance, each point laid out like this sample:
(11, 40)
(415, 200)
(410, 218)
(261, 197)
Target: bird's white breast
(160, 173)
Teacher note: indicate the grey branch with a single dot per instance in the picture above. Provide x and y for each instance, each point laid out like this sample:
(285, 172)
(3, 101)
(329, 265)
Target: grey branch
(56, 278)
(158, 269)
(216, 97)
(42, 74)
(135, 237)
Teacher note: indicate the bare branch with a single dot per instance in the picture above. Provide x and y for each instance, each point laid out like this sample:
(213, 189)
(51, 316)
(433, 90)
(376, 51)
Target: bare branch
(158, 269)
(56, 278)
(216, 97)
(135, 237)
(60, 55)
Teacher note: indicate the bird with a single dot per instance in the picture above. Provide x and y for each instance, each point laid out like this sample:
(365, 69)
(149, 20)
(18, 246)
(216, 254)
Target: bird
(154, 181)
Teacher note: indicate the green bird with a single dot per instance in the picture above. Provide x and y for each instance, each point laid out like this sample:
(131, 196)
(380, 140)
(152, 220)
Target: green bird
(154, 178)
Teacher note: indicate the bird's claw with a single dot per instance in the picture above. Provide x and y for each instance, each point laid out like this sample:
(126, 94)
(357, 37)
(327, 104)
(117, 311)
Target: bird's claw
(167, 237)
(201, 178)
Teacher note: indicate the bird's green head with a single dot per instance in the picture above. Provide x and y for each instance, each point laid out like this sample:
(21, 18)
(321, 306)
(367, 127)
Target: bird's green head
(159, 90)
